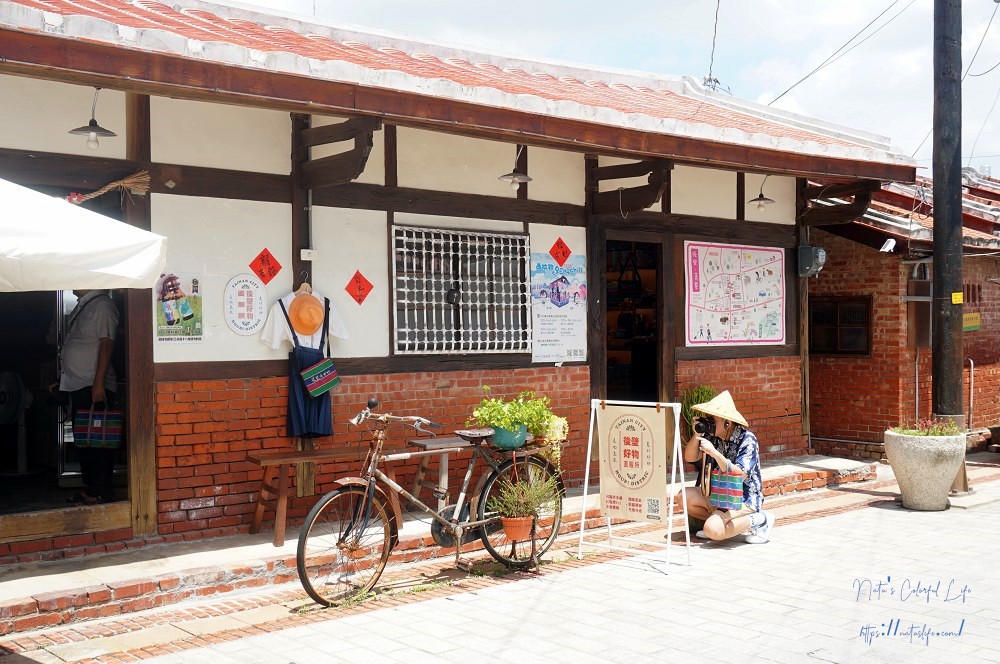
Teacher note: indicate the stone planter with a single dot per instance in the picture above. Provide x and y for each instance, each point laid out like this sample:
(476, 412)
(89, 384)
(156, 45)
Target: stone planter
(925, 467)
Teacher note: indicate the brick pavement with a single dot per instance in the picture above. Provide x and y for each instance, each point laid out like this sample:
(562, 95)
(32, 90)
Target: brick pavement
(577, 610)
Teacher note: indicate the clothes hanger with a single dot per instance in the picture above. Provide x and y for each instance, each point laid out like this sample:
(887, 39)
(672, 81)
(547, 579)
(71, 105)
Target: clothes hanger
(304, 287)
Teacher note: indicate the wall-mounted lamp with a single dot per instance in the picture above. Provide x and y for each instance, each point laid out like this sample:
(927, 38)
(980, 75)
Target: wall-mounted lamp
(92, 130)
(888, 246)
(514, 178)
(762, 201)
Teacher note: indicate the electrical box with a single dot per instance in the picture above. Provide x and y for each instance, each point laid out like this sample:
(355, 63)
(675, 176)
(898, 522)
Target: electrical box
(811, 260)
(918, 314)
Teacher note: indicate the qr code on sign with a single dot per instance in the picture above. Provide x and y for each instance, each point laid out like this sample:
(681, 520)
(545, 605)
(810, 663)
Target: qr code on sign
(652, 506)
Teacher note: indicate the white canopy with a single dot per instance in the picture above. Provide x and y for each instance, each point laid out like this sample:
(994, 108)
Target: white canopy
(47, 243)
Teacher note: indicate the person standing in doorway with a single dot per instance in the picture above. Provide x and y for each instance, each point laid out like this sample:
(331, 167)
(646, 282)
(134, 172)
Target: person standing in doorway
(89, 378)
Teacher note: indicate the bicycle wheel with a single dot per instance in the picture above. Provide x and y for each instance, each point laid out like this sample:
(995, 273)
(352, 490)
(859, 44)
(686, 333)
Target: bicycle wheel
(517, 553)
(343, 545)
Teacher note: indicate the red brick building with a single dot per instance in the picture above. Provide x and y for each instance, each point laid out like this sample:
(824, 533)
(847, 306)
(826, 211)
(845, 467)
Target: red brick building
(882, 376)
(265, 132)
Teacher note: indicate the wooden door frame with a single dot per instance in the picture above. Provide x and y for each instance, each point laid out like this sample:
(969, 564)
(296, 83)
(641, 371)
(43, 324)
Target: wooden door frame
(600, 230)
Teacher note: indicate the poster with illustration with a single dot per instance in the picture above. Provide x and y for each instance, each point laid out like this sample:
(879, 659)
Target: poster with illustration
(177, 308)
(558, 308)
(735, 294)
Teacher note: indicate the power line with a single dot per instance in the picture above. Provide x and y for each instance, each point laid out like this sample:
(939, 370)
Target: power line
(710, 81)
(967, 70)
(874, 32)
(846, 44)
(985, 120)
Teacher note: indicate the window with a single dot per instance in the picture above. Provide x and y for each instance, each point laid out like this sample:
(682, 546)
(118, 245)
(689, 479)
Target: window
(840, 325)
(460, 292)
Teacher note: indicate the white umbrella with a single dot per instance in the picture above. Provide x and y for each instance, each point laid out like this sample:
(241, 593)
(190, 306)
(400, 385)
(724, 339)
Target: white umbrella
(47, 243)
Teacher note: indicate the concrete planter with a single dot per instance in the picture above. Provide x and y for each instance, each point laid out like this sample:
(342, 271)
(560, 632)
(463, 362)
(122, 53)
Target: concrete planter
(925, 467)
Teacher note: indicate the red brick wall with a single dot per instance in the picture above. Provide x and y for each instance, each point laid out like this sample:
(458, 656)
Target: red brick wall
(857, 398)
(851, 397)
(767, 392)
(205, 429)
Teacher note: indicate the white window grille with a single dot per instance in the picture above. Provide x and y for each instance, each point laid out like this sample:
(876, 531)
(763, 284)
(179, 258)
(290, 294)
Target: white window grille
(460, 292)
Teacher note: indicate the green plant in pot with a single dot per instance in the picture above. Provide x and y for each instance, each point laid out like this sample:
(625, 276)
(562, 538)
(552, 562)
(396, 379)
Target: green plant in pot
(512, 419)
(925, 458)
(518, 503)
(690, 397)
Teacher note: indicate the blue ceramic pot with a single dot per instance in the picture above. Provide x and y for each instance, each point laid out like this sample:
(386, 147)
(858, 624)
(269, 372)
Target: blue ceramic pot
(510, 440)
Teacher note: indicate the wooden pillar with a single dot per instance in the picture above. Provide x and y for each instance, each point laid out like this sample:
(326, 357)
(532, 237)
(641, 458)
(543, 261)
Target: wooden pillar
(139, 392)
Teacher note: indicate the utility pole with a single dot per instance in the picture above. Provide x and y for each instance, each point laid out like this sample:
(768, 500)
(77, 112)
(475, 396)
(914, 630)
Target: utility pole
(947, 361)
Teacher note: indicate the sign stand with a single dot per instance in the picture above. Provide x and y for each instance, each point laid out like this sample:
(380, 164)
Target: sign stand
(677, 468)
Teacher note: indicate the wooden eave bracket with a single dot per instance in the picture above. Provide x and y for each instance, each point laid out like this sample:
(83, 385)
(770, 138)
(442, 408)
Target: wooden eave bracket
(346, 166)
(631, 199)
(839, 213)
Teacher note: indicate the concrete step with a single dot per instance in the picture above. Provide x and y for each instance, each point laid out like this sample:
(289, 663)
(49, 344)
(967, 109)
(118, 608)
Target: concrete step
(36, 594)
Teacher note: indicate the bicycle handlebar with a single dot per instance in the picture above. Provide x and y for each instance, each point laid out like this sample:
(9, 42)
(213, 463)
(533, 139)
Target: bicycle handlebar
(414, 421)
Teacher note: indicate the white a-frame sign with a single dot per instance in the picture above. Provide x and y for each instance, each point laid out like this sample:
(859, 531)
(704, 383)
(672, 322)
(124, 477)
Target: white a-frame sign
(636, 442)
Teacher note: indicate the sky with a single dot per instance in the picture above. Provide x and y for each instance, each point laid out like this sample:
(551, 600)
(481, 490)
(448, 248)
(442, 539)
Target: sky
(883, 84)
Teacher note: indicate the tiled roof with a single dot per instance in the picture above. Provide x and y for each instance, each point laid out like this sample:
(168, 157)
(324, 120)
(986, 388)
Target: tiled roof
(243, 37)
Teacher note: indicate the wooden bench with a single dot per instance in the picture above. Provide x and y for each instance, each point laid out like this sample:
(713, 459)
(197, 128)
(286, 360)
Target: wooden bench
(277, 464)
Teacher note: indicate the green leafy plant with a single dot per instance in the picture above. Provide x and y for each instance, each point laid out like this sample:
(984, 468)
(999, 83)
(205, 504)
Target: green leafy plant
(525, 408)
(523, 498)
(691, 397)
(929, 428)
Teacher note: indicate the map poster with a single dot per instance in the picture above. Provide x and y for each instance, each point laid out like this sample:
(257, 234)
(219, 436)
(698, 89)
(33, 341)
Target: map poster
(558, 308)
(735, 294)
(634, 453)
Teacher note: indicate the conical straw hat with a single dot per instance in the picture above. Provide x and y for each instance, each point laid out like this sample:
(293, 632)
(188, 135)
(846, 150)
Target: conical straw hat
(721, 406)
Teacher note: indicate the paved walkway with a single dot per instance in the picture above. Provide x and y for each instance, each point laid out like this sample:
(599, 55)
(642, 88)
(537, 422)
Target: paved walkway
(812, 594)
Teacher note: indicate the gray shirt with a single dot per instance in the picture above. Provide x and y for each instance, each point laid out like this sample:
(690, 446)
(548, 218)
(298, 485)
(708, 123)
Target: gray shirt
(86, 326)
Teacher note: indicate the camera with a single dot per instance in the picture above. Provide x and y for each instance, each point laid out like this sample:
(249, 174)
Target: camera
(703, 425)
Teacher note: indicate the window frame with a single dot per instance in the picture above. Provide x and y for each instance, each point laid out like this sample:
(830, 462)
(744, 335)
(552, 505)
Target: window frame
(839, 301)
(459, 257)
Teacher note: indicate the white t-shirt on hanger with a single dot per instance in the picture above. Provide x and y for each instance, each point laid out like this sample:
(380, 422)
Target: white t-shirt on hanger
(276, 328)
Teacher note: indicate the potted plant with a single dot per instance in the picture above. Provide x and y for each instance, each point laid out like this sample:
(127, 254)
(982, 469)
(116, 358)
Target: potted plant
(512, 419)
(690, 397)
(518, 502)
(925, 459)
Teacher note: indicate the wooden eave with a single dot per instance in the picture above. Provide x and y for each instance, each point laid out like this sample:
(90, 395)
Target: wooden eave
(82, 62)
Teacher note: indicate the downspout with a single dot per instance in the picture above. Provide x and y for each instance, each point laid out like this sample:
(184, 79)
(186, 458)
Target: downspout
(916, 385)
(972, 387)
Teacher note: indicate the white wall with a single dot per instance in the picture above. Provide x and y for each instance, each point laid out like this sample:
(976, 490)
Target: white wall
(375, 168)
(703, 191)
(558, 176)
(216, 239)
(543, 236)
(349, 241)
(37, 115)
(444, 162)
(220, 136)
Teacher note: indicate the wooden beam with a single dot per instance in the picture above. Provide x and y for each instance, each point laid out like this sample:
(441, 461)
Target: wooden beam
(51, 57)
(619, 171)
(299, 193)
(64, 521)
(375, 197)
(741, 196)
(334, 133)
(140, 400)
(837, 214)
(81, 172)
(391, 160)
(840, 190)
(633, 199)
(522, 167)
(339, 168)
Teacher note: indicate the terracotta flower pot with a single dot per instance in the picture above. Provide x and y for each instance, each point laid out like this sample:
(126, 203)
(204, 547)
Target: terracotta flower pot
(925, 467)
(517, 528)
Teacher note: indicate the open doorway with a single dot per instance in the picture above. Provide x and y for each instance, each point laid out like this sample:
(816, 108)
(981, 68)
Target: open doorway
(634, 320)
(39, 464)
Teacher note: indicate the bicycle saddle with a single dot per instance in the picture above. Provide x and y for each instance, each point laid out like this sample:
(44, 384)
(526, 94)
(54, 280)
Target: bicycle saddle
(474, 435)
